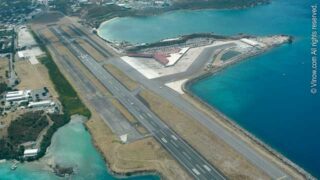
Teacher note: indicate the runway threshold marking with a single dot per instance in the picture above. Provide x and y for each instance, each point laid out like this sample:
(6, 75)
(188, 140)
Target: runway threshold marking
(196, 171)
(164, 140)
(207, 168)
(174, 137)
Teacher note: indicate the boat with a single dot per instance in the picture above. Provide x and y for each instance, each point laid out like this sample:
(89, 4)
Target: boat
(14, 166)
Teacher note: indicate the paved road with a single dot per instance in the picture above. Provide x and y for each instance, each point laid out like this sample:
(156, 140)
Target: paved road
(252, 155)
(176, 99)
(111, 116)
(195, 164)
(97, 46)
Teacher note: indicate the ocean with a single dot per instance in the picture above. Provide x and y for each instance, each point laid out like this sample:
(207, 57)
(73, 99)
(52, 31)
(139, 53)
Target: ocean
(71, 147)
(268, 95)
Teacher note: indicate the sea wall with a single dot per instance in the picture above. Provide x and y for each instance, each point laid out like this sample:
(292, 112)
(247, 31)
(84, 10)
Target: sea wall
(231, 123)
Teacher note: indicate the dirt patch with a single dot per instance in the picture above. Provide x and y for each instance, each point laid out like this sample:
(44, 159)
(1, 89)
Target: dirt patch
(4, 68)
(33, 77)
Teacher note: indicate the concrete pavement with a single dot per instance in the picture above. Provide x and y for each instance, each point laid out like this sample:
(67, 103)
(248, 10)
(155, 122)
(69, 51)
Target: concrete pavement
(195, 164)
(252, 155)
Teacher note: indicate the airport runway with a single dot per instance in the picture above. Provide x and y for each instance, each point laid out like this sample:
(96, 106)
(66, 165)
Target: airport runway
(97, 46)
(175, 98)
(194, 163)
(111, 116)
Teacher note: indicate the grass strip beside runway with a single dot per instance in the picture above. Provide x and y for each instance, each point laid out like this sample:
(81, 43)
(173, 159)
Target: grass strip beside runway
(68, 97)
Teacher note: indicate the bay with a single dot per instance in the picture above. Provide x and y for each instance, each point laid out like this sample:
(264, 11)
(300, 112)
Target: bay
(269, 95)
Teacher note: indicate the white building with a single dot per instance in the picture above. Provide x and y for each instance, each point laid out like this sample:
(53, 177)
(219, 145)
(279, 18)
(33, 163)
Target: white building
(43, 104)
(30, 54)
(18, 95)
(30, 152)
(250, 42)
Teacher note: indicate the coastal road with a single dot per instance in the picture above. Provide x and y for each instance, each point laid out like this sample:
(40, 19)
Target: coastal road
(194, 163)
(235, 142)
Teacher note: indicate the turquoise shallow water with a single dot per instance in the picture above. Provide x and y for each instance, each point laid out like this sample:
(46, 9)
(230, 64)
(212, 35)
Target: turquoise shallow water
(71, 146)
(268, 95)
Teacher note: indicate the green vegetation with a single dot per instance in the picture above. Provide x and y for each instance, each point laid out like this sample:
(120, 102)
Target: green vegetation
(8, 151)
(7, 41)
(6, 32)
(100, 11)
(15, 5)
(67, 95)
(217, 4)
(61, 5)
(13, 11)
(96, 14)
(59, 120)
(3, 87)
(25, 128)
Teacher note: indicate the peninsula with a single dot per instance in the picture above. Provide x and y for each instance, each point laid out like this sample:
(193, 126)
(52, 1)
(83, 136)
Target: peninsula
(148, 75)
(142, 117)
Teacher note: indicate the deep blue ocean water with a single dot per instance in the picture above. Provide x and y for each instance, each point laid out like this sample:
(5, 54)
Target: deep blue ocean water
(71, 147)
(269, 95)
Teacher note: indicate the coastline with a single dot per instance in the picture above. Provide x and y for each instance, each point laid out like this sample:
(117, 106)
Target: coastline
(221, 118)
(143, 156)
(178, 7)
(117, 173)
(119, 164)
(224, 119)
(235, 127)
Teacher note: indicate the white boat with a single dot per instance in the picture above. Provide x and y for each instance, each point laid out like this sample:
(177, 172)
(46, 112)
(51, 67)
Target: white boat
(14, 166)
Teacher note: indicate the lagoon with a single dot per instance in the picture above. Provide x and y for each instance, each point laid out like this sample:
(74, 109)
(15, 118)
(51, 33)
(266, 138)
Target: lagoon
(71, 146)
(269, 95)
